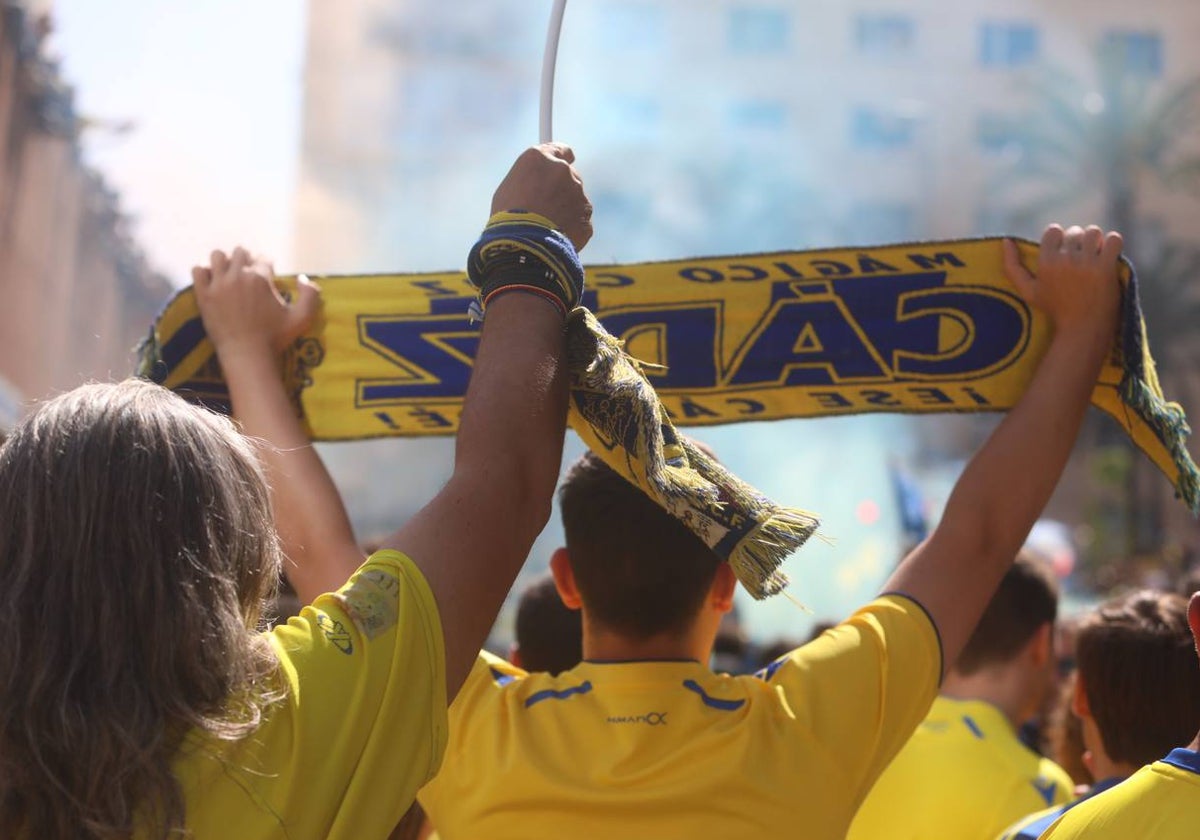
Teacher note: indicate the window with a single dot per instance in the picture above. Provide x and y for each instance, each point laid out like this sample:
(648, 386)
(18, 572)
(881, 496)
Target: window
(489, 33)
(1137, 53)
(758, 115)
(758, 29)
(884, 36)
(1008, 44)
(998, 134)
(875, 129)
(884, 222)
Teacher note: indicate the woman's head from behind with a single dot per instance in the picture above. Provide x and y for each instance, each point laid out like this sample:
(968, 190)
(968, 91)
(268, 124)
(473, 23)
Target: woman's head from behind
(136, 550)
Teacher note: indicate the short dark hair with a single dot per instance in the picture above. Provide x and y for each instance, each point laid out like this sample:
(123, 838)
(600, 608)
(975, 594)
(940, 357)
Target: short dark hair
(639, 570)
(549, 633)
(1137, 660)
(1026, 599)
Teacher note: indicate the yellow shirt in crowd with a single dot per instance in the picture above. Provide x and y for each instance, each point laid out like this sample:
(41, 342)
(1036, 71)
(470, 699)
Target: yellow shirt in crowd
(964, 774)
(1159, 802)
(671, 750)
(362, 728)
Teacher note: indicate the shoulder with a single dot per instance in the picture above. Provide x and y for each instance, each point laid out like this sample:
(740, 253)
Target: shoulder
(384, 622)
(495, 681)
(1157, 795)
(386, 592)
(1054, 783)
(892, 633)
(488, 674)
(500, 671)
(1039, 782)
(1032, 826)
(365, 666)
(1028, 781)
(862, 687)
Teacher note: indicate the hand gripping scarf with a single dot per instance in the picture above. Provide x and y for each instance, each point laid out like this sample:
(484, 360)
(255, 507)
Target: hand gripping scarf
(912, 328)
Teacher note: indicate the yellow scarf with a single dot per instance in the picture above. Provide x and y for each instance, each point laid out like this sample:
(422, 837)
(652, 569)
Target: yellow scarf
(920, 328)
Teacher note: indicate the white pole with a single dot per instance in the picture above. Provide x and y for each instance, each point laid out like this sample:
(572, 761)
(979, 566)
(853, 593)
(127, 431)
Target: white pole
(546, 112)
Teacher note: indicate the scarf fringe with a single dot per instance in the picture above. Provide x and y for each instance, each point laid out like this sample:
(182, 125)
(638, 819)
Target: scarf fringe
(1142, 392)
(613, 398)
(1167, 421)
(757, 558)
(149, 358)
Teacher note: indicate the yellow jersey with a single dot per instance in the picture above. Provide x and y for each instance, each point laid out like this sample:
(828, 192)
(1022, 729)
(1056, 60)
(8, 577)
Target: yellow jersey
(1031, 827)
(668, 749)
(964, 774)
(362, 728)
(1159, 802)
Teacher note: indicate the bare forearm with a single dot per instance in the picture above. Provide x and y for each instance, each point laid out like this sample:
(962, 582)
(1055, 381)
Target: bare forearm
(1009, 481)
(1001, 494)
(1003, 490)
(309, 514)
(515, 417)
(507, 460)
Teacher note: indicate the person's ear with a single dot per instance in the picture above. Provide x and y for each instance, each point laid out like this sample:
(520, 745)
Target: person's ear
(1041, 646)
(723, 586)
(564, 579)
(1079, 701)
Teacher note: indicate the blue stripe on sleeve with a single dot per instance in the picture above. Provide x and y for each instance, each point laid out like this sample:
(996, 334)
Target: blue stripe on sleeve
(973, 726)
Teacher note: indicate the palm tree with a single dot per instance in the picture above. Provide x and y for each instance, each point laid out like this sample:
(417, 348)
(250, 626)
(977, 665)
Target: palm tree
(1109, 139)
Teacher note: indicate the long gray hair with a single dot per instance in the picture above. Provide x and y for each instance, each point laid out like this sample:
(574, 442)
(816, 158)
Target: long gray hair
(137, 549)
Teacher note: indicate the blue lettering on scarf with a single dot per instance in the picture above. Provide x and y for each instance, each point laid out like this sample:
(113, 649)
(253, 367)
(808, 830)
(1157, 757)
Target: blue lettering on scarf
(908, 333)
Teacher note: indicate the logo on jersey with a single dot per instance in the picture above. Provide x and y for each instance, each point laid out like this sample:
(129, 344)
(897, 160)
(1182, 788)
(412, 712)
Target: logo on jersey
(336, 633)
(649, 719)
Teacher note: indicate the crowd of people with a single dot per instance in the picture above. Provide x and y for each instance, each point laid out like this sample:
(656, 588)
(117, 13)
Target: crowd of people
(142, 537)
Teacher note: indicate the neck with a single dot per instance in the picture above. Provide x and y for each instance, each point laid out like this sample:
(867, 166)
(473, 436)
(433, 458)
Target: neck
(1105, 768)
(1102, 766)
(1195, 745)
(603, 645)
(998, 686)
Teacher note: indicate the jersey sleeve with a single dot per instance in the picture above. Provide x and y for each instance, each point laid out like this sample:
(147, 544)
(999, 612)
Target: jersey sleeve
(368, 695)
(488, 673)
(861, 688)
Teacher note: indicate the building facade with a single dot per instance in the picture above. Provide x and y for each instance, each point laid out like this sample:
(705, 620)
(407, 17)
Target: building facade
(705, 126)
(76, 294)
(728, 126)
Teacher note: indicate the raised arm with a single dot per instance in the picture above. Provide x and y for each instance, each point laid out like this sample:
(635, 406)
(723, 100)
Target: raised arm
(250, 324)
(1002, 491)
(472, 539)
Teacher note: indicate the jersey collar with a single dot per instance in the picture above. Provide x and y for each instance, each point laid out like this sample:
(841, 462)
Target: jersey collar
(1184, 759)
(979, 716)
(640, 671)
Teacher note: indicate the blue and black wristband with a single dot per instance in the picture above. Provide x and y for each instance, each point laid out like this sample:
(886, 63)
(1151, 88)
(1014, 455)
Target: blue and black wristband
(520, 251)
